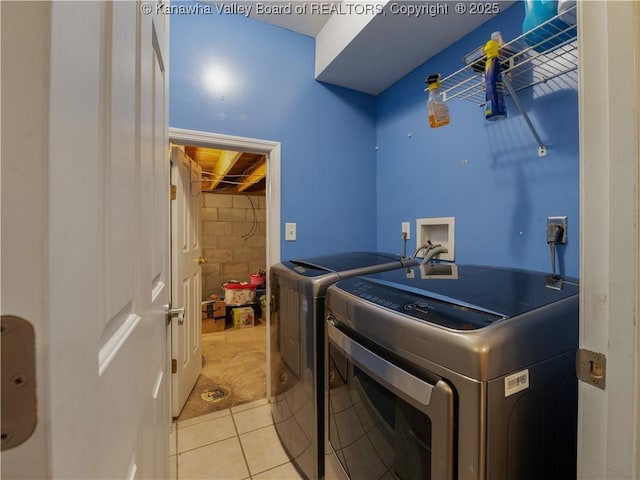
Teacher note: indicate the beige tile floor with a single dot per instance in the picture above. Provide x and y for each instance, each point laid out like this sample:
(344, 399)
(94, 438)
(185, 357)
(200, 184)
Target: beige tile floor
(233, 444)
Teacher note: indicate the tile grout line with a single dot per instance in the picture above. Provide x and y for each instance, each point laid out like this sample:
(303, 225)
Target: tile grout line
(237, 435)
(178, 452)
(206, 444)
(244, 455)
(251, 475)
(175, 446)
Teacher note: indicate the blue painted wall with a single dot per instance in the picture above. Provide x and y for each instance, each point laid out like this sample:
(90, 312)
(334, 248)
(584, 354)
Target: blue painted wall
(327, 132)
(345, 196)
(486, 174)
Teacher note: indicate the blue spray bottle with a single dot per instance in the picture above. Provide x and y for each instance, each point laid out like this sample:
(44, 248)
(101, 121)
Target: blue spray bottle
(494, 108)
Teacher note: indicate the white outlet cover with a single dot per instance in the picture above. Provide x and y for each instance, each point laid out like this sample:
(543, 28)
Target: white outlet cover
(406, 228)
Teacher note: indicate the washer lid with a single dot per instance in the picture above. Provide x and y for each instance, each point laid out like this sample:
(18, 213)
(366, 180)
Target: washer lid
(345, 262)
(502, 292)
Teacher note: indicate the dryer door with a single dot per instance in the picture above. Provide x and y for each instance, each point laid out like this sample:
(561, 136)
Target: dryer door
(384, 421)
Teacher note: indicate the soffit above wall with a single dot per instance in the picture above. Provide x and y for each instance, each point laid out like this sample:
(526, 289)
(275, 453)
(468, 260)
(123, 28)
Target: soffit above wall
(389, 45)
(369, 53)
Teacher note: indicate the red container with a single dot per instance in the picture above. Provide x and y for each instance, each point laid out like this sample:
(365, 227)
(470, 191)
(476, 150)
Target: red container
(239, 293)
(256, 278)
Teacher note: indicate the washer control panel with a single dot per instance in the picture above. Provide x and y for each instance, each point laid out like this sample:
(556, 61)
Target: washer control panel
(420, 306)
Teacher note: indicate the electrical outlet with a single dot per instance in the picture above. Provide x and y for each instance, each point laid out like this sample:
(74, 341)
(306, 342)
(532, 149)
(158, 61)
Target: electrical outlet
(562, 221)
(406, 229)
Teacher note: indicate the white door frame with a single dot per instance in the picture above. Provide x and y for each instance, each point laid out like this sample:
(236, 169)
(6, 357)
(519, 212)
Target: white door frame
(26, 26)
(609, 419)
(272, 151)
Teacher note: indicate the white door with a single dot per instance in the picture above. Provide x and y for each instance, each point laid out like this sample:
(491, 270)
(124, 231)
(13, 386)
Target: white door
(99, 235)
(186, 293)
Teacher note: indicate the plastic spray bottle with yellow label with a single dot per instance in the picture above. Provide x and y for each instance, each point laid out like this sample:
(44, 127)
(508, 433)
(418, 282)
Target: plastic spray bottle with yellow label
(494, 108)
(437, 108)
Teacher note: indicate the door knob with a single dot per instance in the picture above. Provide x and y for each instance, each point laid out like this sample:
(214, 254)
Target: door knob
(175, 312)
(201, 260)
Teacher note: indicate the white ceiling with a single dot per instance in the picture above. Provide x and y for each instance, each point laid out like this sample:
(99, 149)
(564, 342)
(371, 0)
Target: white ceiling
(382, 49)
(306, 24)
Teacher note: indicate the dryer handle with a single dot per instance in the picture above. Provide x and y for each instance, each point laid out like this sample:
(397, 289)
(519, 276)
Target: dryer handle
(379, 368)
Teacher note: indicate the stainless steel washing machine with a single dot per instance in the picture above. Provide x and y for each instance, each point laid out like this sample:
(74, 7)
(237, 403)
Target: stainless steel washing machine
(298, 290)
(452, 372)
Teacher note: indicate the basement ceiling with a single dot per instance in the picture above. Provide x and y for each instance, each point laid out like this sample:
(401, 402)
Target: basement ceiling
(230, 172)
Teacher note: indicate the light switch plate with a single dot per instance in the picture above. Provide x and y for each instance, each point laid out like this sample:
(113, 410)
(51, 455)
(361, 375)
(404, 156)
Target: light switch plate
(290, 232)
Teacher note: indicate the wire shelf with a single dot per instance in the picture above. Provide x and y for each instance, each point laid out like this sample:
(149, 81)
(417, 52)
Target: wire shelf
(537, 56)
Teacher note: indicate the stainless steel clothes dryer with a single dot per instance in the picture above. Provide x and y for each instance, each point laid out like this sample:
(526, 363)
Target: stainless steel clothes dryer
(298, 289)
(452, 372)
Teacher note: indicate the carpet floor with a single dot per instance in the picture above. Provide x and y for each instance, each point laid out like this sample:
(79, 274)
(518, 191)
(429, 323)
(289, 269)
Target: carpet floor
(233, 371)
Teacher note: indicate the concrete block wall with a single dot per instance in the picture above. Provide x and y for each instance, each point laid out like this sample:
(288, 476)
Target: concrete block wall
(234, 239)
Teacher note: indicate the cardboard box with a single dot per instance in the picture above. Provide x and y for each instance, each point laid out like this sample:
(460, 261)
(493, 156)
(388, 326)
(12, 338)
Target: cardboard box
(213, 309)
(210, 325)
(243, 317)
(214, 313)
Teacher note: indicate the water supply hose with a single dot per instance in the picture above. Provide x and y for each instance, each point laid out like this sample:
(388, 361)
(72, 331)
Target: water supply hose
(437, 250)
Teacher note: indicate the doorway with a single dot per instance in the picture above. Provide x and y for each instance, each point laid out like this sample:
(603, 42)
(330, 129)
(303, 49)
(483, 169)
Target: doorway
(252, 214)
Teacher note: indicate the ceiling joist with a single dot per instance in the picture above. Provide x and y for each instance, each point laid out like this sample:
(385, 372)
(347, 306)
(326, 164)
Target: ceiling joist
(225, 171)
(256, 174)
(226, 160)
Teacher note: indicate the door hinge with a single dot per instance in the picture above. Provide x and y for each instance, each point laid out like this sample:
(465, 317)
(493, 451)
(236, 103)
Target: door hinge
(19, 382)
(591, 367)
(174, 192)
(174, 365)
